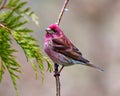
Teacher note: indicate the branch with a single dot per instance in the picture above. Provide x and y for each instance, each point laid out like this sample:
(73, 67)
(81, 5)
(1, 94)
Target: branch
(3, 5)
(57, 75)
(62, 11)
(5, 27)
(56, 71)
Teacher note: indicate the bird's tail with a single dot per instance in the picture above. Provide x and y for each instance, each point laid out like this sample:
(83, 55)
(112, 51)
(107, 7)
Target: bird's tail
(95, 66)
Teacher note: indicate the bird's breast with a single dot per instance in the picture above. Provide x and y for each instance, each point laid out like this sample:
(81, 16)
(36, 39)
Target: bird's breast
(55, 56)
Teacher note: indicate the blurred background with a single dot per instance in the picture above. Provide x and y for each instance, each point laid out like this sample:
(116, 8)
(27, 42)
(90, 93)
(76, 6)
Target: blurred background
(93, 26)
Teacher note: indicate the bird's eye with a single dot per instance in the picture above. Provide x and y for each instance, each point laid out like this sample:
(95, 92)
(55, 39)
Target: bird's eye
(55, 31)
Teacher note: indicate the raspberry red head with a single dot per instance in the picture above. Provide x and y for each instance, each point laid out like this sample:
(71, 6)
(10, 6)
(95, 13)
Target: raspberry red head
(54, 28)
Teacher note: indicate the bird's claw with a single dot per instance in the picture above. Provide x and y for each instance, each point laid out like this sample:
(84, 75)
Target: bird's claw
(57, 74)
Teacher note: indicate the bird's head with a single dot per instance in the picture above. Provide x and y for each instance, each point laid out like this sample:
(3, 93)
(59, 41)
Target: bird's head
(54, 30)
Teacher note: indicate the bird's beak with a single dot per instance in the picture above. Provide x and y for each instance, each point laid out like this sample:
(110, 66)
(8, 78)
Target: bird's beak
(48, 30)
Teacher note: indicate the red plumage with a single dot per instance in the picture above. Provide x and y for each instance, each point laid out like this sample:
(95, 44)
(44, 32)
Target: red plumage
(61, 50)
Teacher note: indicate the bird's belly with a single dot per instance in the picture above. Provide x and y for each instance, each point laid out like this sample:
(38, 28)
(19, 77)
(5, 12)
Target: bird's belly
(57, 57)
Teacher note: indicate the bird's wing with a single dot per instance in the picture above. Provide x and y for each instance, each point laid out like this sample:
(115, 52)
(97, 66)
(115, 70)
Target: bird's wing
(64, 46)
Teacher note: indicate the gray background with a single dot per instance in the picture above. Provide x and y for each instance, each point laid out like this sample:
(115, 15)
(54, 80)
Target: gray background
(93, 26)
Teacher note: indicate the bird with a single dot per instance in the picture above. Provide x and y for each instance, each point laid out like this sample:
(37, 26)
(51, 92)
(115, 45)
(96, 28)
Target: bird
(61, 50)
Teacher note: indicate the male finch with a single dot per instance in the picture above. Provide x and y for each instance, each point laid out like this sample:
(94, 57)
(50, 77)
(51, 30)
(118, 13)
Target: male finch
(61, 50)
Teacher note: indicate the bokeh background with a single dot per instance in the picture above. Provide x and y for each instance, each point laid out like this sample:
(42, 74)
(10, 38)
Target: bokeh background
(94, 27)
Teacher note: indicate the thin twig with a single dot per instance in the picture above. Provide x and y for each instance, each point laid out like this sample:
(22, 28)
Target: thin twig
(56, 71)
(3, 26)
(57, 79)
(3, 5)
(62, 11)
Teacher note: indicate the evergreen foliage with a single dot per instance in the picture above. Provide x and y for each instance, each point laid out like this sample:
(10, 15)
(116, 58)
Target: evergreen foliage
(13, 17)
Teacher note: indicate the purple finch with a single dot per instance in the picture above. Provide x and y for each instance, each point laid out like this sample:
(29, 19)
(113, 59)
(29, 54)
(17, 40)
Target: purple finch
(61, 50)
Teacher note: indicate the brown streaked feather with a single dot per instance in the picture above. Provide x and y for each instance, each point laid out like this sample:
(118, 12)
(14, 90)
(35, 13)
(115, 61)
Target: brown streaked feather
(64, 46)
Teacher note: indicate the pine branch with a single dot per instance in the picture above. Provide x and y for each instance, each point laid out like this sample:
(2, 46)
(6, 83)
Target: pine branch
(7, 59)
(12, 22)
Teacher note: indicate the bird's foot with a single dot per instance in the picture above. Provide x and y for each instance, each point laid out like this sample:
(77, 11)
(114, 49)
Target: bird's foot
(57, 74)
